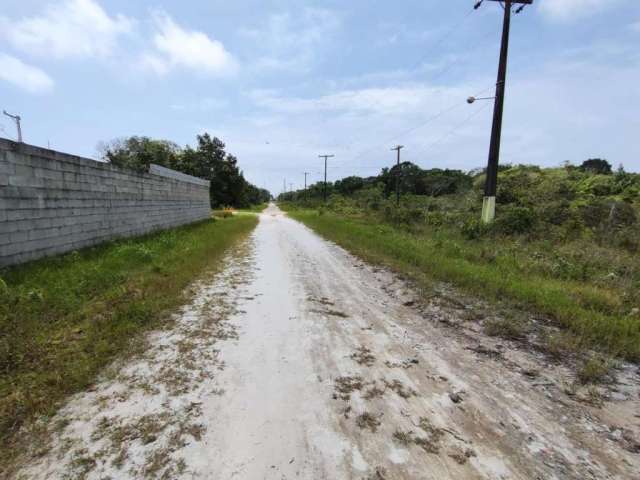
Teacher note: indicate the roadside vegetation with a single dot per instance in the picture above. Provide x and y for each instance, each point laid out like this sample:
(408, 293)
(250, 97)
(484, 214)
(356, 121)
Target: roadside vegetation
(63, 319)
(565, 242)
(207, 160)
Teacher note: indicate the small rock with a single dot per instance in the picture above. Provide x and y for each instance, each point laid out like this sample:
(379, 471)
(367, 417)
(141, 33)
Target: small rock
(455, 397)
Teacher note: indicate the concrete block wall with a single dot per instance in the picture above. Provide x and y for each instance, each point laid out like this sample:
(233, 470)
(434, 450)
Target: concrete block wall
(52, 202)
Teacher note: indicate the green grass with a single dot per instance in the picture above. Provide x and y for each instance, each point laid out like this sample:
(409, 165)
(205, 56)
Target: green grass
(63, 319)
(592, 311)
(254, 208)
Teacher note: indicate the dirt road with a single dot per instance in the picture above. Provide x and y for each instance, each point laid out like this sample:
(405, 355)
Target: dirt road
(299, 361)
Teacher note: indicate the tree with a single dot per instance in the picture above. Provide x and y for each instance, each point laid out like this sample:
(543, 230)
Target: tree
(208, 160)
(137, 153)
(349, 185)
(596, 166)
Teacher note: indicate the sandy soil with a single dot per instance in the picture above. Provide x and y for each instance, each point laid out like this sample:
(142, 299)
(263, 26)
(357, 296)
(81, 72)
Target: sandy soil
(300, 361)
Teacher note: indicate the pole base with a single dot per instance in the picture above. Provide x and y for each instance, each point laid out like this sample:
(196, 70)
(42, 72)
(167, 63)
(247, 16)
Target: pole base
(488, 210)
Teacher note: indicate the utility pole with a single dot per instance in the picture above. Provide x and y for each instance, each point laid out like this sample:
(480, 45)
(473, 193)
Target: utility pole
(491, 184)
(284, 186)
(324, 193)
(15, 118)
(398, 148)
(305, 180)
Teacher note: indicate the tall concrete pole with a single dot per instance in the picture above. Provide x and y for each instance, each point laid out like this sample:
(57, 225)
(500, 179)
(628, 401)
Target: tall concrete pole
(324, 192)
(398, 148)
(491, 183)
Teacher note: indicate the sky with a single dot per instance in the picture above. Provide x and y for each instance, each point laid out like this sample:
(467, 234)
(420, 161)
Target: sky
(283, 81)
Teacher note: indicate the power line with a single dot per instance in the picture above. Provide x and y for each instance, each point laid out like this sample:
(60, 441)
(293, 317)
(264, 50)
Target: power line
(420, 125)
(454, 129)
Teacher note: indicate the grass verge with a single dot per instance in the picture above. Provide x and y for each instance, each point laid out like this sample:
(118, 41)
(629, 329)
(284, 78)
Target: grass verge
(587, 310)
(255, 208)
(64, 318)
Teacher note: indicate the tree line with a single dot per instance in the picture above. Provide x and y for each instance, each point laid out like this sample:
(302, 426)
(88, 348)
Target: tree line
(413, 180)
(208, 160)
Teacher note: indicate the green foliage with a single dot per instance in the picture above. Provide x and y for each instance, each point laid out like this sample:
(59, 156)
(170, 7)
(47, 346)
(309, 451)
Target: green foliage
(515, 220)
(209, 161)
(597, 166)
(596, 369)
(593, 306)
(137, 153)
(65, 318)
(564, 242)
(473, 229)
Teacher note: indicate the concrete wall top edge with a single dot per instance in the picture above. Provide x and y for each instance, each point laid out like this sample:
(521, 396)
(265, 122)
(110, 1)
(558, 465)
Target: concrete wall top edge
(156, 170)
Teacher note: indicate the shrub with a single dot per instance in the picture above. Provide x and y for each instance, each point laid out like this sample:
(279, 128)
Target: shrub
(607, 214)
(595, 370)
(473, 229)
(596, 165)
(515, 220)
(556, 213)
(508, 328)
(404, 215)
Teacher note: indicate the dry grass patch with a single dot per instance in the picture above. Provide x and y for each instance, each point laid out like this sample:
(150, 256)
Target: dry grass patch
(368, 421)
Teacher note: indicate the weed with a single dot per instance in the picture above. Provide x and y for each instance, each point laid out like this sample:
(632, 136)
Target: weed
(63, 319)
(508, 328)
(367, 420)
(595, 369)
(592, 310)
(363, 356)
(403, 437)
(400, 389)
(344, 386)
(374, 391)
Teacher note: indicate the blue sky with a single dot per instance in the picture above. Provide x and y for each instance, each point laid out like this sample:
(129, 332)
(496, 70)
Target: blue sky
(283, 81)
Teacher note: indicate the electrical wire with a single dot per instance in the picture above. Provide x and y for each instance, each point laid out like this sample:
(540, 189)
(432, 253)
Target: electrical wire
(455, 129)
(417, 127)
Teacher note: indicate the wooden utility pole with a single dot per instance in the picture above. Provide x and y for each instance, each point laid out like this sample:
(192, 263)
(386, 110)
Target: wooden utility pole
(324, 193)
(491, 183)
(398, 148)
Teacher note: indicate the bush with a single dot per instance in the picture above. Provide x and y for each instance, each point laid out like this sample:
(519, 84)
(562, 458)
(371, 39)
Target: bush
(404, 215)
(597, 166)
(599, 214)
(515, 220)
(473, 229)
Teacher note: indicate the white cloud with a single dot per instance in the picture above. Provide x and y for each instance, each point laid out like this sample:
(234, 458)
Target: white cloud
(403, 100)
(24, 76)
(68, 29)
(568, 9)
(290, 41)
(175, 47)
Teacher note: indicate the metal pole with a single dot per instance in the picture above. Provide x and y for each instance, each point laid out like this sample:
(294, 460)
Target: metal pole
(16, 118)
(491, 184)
(398, 148)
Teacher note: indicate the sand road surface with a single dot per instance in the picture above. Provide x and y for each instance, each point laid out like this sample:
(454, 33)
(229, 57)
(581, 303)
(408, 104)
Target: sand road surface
(298, 361)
